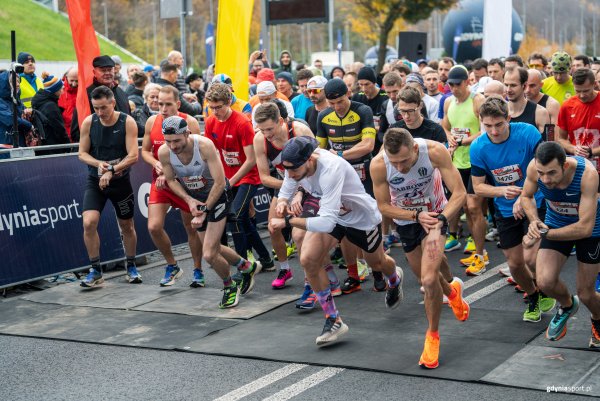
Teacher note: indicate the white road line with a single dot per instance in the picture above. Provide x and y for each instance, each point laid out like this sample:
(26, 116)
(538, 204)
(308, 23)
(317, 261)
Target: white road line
(261, 382)
(304, 384)
(485, 291)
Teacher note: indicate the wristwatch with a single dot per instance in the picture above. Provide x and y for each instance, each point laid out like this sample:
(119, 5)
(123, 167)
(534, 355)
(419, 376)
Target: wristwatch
(340, 153)
(202, 208)
(111, 168)
(442, 218)
(287, 221)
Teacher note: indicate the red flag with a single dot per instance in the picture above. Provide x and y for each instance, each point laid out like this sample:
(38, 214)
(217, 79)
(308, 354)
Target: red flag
(86, 49)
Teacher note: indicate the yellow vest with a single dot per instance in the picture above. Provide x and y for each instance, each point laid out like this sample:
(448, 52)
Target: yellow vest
(28, 91)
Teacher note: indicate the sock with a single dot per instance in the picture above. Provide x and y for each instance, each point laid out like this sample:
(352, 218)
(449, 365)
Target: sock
(95, 262)
(198, 268)
(331, 274)
(564, 308)
(284, 265)
(393, 280)
(227, 282)
(242, 265)
(455, 235)
(434, 334)
(532, 298)
(130, 261)
(353, 271)
(326, 302)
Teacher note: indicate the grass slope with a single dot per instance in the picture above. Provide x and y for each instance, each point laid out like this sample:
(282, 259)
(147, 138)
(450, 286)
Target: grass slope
(41, 32)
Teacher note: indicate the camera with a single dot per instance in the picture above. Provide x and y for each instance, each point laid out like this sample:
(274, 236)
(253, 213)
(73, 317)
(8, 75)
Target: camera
(18, 68)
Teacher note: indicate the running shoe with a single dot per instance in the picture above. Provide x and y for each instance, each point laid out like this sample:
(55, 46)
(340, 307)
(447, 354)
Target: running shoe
(510, 280)
(391, 241)
(468, 260)
(546, 303)
(250, 256)
(459, 306)
(451, 243)
(332, 331)
(93, 278)
(133, 276)
(337, 257)
(394, 295)
(350, 285)
(558, 325)
(291, 249)
(476, 267)
(598, 283)
(267, 265)
(198, 280)
(379, 283)
(470, 246)
(518, 288)
(308, 299)
(533, 312)
(431, 352)
(237, 277)
(336, 288)
(505, 271)
(172, 273)
(231, 297)
(595, 339)
(386, 248)
(574, 250)
(363, 270)
(463, 217)
(283, 277)
(492, 235)
(248, 278)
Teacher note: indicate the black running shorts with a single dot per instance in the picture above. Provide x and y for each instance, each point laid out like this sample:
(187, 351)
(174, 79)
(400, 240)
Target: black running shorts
(368, 241)
(119, 192)
(588, 249)
(412, 235)
(218, 212)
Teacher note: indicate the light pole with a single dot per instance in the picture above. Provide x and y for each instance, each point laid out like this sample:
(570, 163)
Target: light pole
(105, 20)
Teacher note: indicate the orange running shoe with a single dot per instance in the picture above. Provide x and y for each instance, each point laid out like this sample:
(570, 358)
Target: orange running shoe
(431, 352)
(459, 306)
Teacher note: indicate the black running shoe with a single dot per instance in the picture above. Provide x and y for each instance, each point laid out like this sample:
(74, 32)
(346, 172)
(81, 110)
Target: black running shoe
(336, 256)
(248, 278)
(350, 285)
(267, 265)
(334, 328)
(379, 283)
(394, 295)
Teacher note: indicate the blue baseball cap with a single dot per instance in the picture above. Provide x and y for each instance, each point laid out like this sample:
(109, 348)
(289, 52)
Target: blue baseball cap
(297, 151)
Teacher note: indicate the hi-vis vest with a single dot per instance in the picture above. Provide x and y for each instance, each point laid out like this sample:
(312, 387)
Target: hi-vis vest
(28, 91)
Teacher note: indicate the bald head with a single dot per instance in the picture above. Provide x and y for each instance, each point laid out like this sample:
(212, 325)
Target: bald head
(494, 88)
(534, 84)
(175, 57)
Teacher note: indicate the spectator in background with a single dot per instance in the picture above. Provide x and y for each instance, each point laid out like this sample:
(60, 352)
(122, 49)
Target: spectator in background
(131, 69)
(537, 61)
(595, 66)
(30, 83)
(257, 65)
(337, 72)
(302, 102)
(266, 74)
(580, 61)
(149, 71)
(168, 76)
(6, 114)
(318, 64)
(422, 63)
(495, 69)
(351, 81)
(139, 80)
(176, 58)
(120, 80)
(401, 69)
(285, 85)
(150, 106)
(46, 102)
(196, 85)
(68, 99)
(286, 64)
(513, 60)
(237, 104)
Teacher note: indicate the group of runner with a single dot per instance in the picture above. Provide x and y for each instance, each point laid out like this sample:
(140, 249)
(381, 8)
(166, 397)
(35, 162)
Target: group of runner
(348, 181)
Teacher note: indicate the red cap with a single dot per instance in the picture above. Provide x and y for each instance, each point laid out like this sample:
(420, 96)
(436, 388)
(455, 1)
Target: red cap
(266, 74)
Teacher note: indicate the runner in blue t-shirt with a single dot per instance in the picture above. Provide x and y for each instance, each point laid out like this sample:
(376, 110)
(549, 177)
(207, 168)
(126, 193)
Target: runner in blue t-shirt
(498, 170)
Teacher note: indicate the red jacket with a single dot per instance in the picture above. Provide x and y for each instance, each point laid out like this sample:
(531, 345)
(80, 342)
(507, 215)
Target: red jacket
(67, 102)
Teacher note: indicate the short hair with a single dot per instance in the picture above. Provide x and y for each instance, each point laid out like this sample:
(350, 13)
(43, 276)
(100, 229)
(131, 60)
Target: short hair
(352, 74)
(102, 92)
(149, 88)
(480, 63)
(304, 74)
(548, 151)
(139, 78)
(166, 68)
(170, 89)
(596, 62)
(447, 60)
(396, 138)
(522, 71)
(392, 78)
(410, 94)
(516, 58)
(219, 92)
(434, 64)
(265, 112)
(494, 106)
(538, 56)
(401, 67)
(583, 75)
(496, 61)
(582, 57)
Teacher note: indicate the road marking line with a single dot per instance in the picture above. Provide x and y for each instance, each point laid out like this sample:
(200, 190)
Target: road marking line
(304, 384)
(261, 382)
(485, 291)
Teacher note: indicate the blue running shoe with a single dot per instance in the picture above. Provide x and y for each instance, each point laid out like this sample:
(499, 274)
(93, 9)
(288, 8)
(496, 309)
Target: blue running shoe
(133, 276)
(198, 280)
(172, 273)
(391, 241)
(451, 243)
(308, 299)
(558, 325)
(93, 278)
(598, 283)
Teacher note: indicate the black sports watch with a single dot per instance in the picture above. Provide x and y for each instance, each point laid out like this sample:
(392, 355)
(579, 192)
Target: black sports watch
(442, 218)
(111, 168)
(287, 221)
(202, 208)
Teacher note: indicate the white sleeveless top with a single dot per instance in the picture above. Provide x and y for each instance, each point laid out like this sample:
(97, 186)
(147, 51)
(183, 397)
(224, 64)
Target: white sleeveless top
(194, 176)
(420, 189)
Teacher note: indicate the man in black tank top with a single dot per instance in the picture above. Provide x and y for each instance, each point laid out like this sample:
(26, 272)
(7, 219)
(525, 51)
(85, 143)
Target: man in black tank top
(108, 145)
(519, 108)
(533, 92)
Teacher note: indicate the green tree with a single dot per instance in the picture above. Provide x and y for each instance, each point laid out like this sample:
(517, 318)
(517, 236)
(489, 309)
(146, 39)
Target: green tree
(383, 14)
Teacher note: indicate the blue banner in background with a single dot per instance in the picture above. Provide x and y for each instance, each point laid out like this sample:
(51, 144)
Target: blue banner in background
(209, 41)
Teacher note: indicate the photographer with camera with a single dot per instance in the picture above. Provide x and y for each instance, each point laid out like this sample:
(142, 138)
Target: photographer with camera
(11, 106)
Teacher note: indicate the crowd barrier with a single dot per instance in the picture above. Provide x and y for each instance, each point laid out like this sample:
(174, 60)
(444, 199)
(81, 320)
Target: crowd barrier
(41, 233)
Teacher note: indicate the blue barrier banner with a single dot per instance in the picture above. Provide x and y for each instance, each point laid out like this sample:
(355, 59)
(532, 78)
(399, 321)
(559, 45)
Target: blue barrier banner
(41, 229)
(262, 202)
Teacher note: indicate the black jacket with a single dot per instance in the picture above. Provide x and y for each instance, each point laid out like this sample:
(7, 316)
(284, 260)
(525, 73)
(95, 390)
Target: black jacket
(54, 126)
(193, 109)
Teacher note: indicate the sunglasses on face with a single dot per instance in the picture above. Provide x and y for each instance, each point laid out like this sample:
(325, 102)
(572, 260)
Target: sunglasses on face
(315, 91)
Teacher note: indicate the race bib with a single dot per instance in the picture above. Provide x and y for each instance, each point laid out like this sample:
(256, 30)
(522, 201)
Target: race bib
(360, 170)
(460, 134)
(422, 204)
(231, 158)
(194, 183)
(508, 175)
(570, 209)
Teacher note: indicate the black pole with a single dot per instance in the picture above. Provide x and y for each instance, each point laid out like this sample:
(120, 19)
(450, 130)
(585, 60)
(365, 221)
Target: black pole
(15, 127)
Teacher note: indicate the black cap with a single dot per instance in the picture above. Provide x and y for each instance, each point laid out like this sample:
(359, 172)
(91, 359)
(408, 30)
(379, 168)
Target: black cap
(103, 61)
(192, 77)
(297, 151)
(367, 73)
(335, 88)
(24, 57)
(457, 74)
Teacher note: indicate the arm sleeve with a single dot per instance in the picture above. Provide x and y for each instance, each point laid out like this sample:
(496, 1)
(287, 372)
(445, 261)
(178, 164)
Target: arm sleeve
(288, 188)
(330, 203)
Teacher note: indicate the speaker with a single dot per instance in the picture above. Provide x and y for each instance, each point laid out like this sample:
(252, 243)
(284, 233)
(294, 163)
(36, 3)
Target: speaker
(412, 45)
(296, 11)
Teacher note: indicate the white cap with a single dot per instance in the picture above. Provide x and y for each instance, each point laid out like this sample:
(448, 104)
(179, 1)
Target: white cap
(483, 81)
(316, 82)
(265, 88)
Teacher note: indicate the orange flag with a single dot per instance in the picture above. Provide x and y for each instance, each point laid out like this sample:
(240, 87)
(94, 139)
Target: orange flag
(86, 49)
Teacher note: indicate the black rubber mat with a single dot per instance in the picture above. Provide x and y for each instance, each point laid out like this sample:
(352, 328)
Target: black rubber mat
(579, 331)
(107, 326)
(551, 369)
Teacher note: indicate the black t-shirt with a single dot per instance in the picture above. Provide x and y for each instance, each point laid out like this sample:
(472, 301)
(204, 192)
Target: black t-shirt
(311, 118)
(428, 130)
(376, 104)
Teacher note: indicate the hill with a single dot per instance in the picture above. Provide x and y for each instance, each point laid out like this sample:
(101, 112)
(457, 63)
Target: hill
(41, 32)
